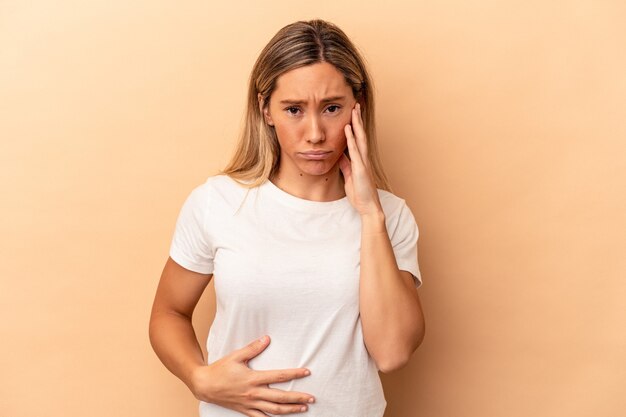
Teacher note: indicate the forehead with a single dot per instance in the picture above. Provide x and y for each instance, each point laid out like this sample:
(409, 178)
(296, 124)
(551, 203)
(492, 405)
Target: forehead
(312, 81)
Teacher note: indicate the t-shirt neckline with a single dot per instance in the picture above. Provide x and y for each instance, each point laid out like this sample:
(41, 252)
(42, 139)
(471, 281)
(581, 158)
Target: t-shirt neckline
(303, 204)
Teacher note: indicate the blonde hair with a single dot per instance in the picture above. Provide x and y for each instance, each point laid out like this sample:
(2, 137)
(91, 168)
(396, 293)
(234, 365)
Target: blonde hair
(302, 43)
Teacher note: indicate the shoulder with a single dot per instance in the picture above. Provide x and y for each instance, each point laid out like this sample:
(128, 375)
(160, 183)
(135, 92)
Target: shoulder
(398, 215)
(220, 184)
(219, 193)
(391, 203)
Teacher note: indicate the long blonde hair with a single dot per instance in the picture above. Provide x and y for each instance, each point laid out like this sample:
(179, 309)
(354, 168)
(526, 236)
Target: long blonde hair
(302, 43)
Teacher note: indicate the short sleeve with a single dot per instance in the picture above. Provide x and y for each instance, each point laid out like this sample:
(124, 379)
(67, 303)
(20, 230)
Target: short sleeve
(190, 246)
(404, 243)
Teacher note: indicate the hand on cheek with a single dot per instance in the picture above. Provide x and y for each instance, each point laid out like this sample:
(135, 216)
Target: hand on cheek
(359, 181)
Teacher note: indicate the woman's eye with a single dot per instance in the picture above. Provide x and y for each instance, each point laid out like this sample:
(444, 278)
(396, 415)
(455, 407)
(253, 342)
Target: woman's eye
(333, 107)
(289, 110)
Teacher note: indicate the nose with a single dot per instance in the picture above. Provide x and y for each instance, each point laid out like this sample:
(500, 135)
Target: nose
(314, 131)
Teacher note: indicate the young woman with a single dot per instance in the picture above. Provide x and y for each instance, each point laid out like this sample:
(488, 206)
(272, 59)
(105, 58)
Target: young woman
(314, 259)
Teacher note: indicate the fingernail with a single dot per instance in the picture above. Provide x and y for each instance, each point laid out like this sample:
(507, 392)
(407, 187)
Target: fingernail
(311, 400)
(263, 339)
(303, 408)
(307, 372)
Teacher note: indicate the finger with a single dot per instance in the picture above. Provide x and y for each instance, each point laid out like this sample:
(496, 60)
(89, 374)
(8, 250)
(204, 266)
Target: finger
(279, 375)
(355, 156)
(252, 349)
(274, 408)
(284, 397)
(357, 167)
(344, 165)
(359, 133)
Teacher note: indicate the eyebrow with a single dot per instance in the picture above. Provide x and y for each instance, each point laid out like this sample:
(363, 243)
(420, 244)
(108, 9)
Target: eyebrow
(325, 100)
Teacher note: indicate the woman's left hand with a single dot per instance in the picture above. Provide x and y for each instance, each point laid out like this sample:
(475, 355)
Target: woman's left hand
(359, 182)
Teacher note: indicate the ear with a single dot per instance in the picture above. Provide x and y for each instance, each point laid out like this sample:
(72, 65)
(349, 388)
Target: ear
(265, 111)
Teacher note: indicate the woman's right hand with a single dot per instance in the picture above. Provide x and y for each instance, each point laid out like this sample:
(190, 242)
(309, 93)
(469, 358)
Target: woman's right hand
(230, 383)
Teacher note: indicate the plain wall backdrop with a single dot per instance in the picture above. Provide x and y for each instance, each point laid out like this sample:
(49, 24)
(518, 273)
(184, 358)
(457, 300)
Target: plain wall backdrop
(500, 122)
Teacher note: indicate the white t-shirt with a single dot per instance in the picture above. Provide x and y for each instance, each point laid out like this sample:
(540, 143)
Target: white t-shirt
(289, 267)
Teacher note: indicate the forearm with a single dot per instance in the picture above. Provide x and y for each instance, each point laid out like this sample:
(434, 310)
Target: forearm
(391, 316)
(174, 341)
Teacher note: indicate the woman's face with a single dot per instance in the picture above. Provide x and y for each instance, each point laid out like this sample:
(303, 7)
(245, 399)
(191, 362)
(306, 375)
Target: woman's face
(309, 109)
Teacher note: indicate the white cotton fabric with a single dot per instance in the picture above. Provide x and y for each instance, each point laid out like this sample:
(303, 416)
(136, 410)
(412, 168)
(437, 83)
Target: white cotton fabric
(289, 268)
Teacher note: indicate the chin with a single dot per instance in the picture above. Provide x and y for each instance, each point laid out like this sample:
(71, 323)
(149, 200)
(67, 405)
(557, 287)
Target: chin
(316, 172)
(317, 169)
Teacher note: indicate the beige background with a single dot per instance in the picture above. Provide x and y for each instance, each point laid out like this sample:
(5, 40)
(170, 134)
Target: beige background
(501, 124)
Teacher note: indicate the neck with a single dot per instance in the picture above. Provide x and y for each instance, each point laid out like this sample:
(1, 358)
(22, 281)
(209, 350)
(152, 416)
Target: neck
(326, 187)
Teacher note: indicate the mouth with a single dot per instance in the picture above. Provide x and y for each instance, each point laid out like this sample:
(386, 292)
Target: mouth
(315, 155)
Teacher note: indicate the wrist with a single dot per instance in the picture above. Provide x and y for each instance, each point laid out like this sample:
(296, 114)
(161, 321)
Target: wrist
(196, 377)
(373, 222)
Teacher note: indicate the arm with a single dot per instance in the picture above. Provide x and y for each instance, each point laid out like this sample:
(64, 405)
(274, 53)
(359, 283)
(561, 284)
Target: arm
(227, 382)
(391, 313)
(171, 332)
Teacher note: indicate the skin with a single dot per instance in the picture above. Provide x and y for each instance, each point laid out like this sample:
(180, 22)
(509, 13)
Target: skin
(314, 124)
(391, 315)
